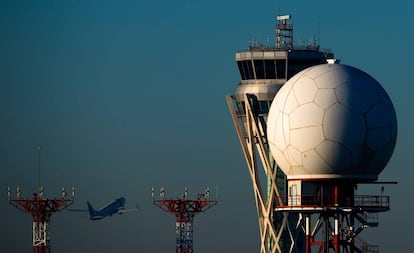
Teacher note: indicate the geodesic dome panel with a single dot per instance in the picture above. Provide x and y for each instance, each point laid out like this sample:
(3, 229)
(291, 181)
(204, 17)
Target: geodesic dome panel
(332, 121)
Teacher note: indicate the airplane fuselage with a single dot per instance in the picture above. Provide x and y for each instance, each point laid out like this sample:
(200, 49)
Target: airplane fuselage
(111, 208)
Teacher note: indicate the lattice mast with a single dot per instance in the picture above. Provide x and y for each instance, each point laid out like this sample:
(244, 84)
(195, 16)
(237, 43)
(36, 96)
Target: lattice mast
(284, 33)
(41, 210)
(184, 210)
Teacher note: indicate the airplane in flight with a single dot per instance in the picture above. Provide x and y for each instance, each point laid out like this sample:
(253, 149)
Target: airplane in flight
(116, 206)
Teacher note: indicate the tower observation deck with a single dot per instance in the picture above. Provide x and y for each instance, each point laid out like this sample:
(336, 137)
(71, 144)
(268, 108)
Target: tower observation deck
(263, 71)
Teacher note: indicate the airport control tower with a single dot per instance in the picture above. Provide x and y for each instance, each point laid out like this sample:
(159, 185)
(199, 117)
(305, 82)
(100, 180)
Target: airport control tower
(264, 69)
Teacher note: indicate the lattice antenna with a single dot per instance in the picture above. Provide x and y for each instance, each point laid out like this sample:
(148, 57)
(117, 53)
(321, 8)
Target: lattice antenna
(184, 210)
(41, 209)
(39, 148)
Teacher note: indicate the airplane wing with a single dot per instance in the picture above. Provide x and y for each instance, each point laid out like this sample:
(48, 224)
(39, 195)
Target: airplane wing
(76, 210)
(80, 213)
(121, 211)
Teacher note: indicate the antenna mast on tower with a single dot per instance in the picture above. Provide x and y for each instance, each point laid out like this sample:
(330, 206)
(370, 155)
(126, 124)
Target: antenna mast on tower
(41, 209)
(284, 33)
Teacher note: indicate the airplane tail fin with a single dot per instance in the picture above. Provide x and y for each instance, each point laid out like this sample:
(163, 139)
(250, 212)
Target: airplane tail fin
(91, 210)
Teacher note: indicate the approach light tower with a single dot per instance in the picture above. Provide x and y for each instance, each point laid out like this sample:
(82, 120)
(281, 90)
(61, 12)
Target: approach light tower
(264, 70)
(41, 210)
(184, 210)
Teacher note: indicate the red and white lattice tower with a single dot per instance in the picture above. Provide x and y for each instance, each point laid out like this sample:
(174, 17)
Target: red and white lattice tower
(41, 210)
(184, 210)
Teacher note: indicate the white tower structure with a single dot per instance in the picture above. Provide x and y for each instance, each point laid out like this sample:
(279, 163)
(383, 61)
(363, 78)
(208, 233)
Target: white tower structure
(330, 128)
(263, 70)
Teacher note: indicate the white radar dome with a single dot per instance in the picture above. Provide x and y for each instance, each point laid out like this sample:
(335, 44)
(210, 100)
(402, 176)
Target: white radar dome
(332, 121)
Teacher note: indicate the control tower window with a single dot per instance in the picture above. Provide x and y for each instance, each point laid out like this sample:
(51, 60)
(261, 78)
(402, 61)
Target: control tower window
(264, 106)
(241, 70)
(246, 69)
(265, 69)
(281, 69)
(270, 69)
(240, 107)
(260, 70)
(295, 66)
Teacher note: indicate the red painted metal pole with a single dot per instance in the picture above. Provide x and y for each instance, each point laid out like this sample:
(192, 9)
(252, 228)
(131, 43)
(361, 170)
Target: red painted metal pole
(307, 236)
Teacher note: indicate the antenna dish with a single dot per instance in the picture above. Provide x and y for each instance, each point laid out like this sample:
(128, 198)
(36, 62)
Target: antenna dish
(283, 17)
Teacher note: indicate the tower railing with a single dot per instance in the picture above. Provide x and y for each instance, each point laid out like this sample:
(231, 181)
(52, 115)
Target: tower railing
(265, 47)
(329, 201)
(364, 247)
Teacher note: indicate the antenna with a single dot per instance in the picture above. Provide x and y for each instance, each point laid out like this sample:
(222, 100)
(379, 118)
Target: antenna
(41, 209)
(284, 32)
(38, 176)
(319, 33)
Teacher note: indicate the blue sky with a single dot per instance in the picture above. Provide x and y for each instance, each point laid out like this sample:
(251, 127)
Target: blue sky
(126, 95)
